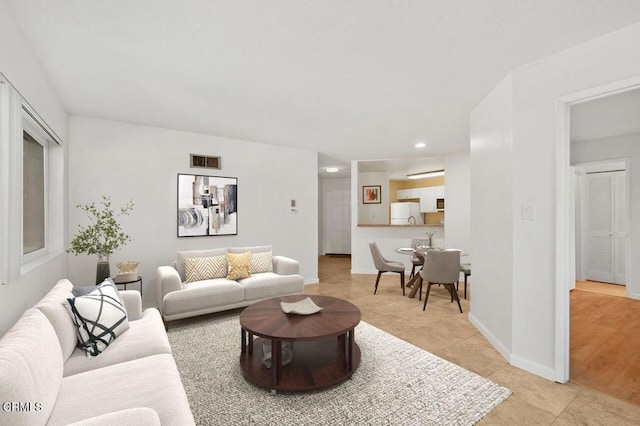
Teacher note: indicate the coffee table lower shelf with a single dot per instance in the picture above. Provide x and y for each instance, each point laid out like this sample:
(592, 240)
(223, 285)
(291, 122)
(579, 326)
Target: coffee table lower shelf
(316, 364)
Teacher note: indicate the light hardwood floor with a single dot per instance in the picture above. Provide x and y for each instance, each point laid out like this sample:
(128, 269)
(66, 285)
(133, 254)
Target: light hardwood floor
(442, 330)
(605, 343)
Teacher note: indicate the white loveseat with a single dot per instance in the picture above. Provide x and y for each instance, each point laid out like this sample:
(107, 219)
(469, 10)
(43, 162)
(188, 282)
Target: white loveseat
(178, 298)
(135, 381)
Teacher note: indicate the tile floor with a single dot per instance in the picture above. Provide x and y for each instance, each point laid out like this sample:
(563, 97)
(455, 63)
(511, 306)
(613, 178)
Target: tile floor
(442, 330)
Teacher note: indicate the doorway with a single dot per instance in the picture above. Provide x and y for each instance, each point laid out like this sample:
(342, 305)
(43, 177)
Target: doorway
(602, 146)
(337, 221)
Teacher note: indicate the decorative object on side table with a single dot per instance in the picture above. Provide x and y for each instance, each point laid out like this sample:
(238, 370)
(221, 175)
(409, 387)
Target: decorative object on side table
(127, 271)
(103, 236)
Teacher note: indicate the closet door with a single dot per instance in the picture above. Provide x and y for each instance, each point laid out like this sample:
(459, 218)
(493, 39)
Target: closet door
(600, 226)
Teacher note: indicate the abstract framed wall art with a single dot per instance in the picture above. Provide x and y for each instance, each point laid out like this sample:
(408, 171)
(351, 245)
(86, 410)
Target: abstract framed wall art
(372, 194)
(207, 205)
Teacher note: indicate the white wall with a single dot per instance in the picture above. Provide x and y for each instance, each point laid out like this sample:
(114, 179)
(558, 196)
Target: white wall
(20, 65)
(373, 213)
(141, 163)
(538, 168)
(626, 146)
(492, 219)
(328, 184)
(457, 187)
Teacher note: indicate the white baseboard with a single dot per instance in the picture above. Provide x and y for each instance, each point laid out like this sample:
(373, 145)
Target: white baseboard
(501, 348)
(515, 360)
(314, 280)
(365, 271)
(533, 367)
(634, 296)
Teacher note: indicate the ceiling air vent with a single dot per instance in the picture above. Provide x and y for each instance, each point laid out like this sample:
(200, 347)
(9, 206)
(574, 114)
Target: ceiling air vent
(205, 161)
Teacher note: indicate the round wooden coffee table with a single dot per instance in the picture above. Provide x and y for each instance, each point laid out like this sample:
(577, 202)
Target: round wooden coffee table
(324, 348)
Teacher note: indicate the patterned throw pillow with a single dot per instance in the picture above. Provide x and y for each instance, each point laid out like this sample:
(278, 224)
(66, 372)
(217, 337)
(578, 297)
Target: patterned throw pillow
(260, 262)
(99, 318)
(238, 265)
(205, 268)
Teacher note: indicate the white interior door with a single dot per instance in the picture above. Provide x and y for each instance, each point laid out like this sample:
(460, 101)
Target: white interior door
(600, 217)
(606, 226)
(337, 214)
(620, 227)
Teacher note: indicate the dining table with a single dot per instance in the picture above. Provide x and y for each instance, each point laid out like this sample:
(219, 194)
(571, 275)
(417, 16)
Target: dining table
(421, 253)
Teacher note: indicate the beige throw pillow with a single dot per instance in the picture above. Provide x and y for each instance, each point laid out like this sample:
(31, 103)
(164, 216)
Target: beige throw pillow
(238, 265)
(260, 262)
(205, 268)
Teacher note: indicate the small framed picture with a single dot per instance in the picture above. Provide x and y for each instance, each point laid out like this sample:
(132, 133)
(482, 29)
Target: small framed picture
(372, 194)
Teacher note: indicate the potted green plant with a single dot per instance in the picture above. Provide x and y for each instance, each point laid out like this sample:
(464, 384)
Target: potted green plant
(430, 235)
(103, 236)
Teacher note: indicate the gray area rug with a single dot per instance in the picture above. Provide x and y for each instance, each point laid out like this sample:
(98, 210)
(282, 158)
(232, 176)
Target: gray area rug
(396, 384)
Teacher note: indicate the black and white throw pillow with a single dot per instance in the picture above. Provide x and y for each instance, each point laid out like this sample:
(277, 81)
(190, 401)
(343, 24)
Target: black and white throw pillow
(99, 318)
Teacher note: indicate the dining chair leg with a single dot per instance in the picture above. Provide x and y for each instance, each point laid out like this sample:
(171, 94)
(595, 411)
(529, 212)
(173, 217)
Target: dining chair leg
(426, 296)
(402, 282)
(377, 281)
(465, 286)
(453, 292)
(420, 297)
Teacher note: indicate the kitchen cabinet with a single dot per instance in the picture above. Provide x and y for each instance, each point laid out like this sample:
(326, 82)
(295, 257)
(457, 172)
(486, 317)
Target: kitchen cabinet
(428, 197)
(408, 194)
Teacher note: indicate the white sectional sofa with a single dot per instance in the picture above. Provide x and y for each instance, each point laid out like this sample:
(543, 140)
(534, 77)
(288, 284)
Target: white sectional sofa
(178, 297)
(135, 381)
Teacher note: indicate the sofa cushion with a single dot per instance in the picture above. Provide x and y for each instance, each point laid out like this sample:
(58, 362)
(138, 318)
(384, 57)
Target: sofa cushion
(261, 262)
(99, 317)
(151, 381)
(205, 268)
(238, 265)
(145, 337)
(52, 306)
(182, 255)
(268, 284)
(200, 295)
(30, 369)
(252, 249)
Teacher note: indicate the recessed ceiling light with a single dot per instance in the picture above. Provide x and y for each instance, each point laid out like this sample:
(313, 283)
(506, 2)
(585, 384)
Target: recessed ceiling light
(332, 169)
(420, 145)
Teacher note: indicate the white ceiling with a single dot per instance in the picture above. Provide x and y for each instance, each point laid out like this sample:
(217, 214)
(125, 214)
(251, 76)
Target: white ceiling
(363, 79)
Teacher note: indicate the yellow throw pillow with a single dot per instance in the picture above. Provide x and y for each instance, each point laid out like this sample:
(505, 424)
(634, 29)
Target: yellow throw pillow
(238, 265)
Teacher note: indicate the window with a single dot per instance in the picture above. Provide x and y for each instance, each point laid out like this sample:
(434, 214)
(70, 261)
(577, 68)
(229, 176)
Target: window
(32, 190)
(34, 230)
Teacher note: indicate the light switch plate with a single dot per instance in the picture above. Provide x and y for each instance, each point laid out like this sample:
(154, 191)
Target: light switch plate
(528, 211)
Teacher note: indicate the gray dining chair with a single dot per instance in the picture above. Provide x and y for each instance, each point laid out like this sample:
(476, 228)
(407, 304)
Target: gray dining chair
(465, 268)
(441, 267)
(383, 265)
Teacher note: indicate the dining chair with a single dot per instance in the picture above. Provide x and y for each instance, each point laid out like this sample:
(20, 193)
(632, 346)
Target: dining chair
(383, 265)
(465, 268)
(442, 267)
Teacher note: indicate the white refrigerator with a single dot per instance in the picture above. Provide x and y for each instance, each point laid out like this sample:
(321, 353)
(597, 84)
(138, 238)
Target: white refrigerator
(405, 213)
